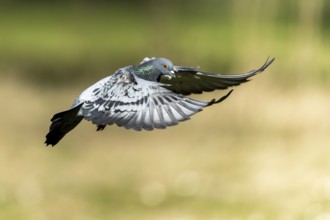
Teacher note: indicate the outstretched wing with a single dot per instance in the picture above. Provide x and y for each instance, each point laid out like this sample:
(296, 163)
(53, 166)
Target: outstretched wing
(139, 104)
(190, 80)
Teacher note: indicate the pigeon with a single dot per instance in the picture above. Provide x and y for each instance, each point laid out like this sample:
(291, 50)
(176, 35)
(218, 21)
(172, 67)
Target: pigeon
(147, 96)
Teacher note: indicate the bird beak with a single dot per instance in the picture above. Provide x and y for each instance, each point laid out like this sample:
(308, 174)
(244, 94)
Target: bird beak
(172, 73)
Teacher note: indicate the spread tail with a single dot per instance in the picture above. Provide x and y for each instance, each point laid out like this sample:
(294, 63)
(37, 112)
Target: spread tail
(62, 123)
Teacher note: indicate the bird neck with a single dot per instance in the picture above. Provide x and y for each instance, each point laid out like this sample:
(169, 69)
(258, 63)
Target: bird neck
(147, 71)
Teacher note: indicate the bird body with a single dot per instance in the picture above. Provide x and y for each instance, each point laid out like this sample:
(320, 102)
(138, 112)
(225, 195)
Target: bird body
(151, 95)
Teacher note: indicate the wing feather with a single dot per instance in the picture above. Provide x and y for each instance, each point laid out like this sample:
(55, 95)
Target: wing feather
(190, 80)
(140, 104)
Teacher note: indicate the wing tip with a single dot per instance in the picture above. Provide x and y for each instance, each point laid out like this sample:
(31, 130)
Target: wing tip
(260, 69)
(266, 64)
(214, 101)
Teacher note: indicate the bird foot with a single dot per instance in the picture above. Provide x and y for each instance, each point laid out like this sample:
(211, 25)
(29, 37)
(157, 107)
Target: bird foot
(100, 127)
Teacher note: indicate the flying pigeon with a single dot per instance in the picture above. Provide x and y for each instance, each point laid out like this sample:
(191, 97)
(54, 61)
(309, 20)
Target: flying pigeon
(146, 96)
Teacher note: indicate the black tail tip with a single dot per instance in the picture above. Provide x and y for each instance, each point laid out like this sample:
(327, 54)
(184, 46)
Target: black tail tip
(53, 137)
(48, 143)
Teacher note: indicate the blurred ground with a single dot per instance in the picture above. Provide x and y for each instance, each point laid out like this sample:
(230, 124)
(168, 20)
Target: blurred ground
(262, 154)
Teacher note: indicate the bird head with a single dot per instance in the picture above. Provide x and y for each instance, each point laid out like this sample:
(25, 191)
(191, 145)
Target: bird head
(164, 66)
(153, 69)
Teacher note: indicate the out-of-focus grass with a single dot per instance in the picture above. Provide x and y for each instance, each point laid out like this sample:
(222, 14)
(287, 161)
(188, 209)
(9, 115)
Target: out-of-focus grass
(262, 154)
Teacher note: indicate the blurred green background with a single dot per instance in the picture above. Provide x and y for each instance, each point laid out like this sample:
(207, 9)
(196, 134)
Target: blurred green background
(263, 154)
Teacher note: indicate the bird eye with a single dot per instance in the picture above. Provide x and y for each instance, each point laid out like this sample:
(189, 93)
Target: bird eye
(165, 66)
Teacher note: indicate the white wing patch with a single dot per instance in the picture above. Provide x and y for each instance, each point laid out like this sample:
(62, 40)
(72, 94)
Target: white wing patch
(146, 59)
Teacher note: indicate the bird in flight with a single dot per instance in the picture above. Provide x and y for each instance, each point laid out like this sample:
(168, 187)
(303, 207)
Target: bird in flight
(150, 95)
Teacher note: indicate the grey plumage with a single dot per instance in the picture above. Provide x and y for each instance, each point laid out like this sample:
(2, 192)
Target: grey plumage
(147, 96)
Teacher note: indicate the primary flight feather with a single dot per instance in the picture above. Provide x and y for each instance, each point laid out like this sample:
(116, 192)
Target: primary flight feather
(146, 96)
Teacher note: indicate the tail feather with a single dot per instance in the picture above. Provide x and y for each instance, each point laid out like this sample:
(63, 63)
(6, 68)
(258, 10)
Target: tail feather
(62, 123)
